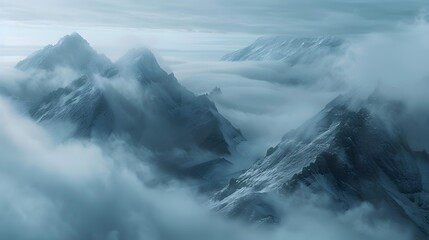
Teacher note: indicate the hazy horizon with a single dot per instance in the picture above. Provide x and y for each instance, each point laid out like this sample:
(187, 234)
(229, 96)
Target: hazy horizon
(172, 28)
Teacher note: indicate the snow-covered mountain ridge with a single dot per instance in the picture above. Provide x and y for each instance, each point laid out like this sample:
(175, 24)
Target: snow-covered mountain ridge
(292, 50)
(348, 152)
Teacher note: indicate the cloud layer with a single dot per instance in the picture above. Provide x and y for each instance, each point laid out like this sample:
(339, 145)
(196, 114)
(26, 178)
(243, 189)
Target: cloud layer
(260, 99)
(56, 189)
(79, 190)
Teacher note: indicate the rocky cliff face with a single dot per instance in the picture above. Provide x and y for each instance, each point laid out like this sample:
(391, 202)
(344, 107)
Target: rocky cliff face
(352, 152)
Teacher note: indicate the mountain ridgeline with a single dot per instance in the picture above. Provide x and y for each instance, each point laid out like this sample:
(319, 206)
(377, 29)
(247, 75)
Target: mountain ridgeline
(287, 49)
(182, 130)
(352, 151)
(71, 51)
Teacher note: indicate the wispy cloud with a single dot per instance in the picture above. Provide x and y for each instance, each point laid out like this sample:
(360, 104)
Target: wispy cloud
(267, 17)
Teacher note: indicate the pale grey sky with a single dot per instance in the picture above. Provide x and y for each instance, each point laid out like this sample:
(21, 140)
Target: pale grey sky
(179, 28)
(250, 16)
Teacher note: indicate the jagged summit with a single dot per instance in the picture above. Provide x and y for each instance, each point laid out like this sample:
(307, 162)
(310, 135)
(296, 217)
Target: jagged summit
(71, 51)
(282, 48)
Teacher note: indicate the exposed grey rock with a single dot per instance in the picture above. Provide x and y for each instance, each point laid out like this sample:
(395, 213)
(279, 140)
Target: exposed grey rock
(348, 152)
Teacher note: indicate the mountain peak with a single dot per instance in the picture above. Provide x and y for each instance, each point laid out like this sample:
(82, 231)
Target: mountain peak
(74, 39)
(142, 63)
(139, 55)
(71, 51)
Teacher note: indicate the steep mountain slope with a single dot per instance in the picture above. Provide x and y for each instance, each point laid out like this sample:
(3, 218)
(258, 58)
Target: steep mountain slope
(352, 151)
(292, 50)
(182, 130)
(81, 103)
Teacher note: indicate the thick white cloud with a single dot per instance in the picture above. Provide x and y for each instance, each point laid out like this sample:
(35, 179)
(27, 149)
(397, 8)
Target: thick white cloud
(77, 190)
(395, 64)
(257, 96)
(260, 100)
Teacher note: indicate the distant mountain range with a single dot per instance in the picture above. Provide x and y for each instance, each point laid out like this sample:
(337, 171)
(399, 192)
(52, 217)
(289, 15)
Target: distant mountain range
(291, 50)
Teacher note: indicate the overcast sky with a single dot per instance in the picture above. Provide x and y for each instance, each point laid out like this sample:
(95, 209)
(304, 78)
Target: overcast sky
(249, 16)
(214, 26)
